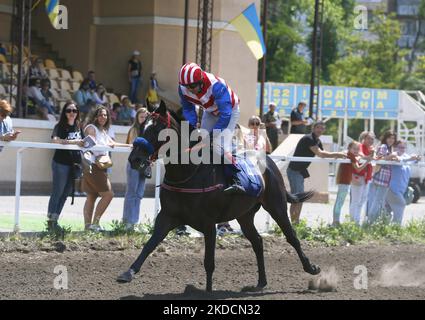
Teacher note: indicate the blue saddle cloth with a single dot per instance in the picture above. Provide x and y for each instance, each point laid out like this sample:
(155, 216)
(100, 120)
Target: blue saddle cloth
(249, 176)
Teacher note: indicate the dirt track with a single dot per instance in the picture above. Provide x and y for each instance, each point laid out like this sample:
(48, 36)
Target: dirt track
(173, 269)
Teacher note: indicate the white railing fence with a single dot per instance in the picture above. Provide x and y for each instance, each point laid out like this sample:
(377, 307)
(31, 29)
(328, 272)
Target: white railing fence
(22, 146)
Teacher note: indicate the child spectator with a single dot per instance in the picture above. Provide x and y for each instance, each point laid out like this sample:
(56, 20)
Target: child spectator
(367, 150)
(358, 180)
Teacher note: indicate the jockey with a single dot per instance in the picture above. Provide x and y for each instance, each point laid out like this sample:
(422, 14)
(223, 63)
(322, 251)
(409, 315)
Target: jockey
(221, 110)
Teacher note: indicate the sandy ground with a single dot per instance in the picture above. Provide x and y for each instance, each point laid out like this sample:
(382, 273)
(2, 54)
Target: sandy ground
(175, 271)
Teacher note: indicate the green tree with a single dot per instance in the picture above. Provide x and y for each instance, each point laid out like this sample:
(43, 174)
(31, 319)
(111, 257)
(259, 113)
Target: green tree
(376, 62)
(283, 36)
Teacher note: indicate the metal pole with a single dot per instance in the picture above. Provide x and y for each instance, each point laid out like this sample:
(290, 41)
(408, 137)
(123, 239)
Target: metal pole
(18, 187)
(29, 49)
(313, 57)
(185, 31)
(263, 60)
(157, 186)
(21, 58)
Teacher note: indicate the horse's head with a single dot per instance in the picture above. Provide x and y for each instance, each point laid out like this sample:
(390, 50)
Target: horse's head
(146, 146)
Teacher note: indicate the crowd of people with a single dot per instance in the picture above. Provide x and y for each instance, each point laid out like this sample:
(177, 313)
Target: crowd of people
(378, 188)
(40, 100)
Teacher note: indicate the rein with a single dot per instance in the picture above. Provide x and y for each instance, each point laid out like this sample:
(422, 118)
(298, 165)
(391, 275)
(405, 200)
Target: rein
(154, 156)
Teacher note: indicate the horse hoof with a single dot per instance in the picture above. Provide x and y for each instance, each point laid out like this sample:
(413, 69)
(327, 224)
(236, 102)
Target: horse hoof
(253, 288)
(126, 277)
(313, 269)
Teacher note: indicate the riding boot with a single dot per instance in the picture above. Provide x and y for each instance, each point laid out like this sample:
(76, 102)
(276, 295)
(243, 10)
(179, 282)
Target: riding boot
(236, 187)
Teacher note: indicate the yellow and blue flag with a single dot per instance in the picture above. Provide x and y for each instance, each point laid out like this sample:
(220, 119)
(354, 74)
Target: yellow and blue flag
(248, 26)
(52, 10)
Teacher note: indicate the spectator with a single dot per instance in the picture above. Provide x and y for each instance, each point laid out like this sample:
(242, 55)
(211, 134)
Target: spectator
(6, 128)
(399, 183)
(367, 150)
(91, 77)
(273, 122)
(65, 163)
(135, 181)
(44, 106)
(100, 95)
(3, 50)
(37, 69)
(381, 179)
(116, 108)
(85, 99)
(298, 124)
(134, 71)
(309, 146)
(95, 180)
(256, 140)
(358, 181)
(126, 114)
(153, 89)
(47, 94)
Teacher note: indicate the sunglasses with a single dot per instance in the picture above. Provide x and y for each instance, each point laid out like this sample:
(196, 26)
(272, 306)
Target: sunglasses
(256, 123)
(71, 111)
(193, 85)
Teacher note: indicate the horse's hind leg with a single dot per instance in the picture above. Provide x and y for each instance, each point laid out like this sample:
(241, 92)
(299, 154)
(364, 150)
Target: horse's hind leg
(163, 225)
(277, 208)
(248, 228)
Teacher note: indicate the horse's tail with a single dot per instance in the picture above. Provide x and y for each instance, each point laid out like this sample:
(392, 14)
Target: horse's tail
(299, 197)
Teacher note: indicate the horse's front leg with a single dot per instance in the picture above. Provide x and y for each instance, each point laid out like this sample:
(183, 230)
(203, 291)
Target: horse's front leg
(209, 264)
(163, 225)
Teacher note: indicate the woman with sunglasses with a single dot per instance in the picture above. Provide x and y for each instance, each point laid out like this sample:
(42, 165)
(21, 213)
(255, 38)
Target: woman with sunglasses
(67, 131)
(221, 111)
(257, 139)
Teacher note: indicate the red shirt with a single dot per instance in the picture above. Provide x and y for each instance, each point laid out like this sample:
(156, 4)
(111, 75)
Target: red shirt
(365, 150)
(345, 170)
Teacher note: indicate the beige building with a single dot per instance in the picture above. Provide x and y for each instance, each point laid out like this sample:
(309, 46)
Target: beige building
(101, 36)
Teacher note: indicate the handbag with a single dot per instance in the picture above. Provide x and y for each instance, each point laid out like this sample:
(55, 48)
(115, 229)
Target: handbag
(103, 162)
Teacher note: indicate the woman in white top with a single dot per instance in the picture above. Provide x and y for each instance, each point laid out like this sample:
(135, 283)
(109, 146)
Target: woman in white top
(95, 181)
(257, 138)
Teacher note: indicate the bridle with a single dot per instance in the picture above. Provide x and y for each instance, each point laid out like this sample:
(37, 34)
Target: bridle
(167, 121)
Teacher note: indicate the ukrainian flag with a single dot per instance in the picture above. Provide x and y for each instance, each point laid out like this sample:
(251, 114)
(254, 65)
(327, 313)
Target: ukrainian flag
(248, 26)
(52, 10)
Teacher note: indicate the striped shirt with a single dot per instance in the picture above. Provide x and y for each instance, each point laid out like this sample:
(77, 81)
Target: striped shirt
(383, 176)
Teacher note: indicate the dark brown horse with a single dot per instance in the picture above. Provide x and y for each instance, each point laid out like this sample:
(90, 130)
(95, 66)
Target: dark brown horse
(202, 211)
